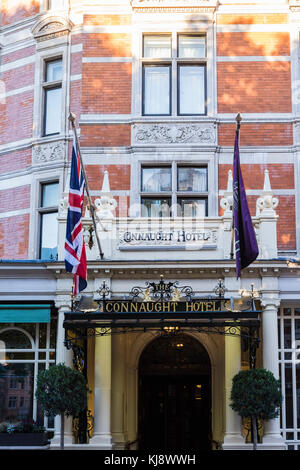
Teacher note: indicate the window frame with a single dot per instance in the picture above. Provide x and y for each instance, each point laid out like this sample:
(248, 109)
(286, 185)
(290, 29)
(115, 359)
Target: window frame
(50, 85)
(144, 87)
(174, 62)
(44, 355)
(175, 194)
(45, 210)
(191, 64)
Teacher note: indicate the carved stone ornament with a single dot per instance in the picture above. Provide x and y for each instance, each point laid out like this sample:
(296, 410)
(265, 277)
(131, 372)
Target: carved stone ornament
(47, 153)
(144, 134)
(50, 27)
(175, 5)
(294, 5)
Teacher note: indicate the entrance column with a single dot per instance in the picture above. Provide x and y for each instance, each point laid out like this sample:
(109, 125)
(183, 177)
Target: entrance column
(272, 434)
(102, 433)
(64, 356)
(233, 435)
(118, 391)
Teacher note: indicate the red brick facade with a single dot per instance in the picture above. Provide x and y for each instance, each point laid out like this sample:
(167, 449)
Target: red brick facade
(256, 81)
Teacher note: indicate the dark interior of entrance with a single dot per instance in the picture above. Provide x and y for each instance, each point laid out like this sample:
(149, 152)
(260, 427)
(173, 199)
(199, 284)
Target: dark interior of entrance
(174, 395)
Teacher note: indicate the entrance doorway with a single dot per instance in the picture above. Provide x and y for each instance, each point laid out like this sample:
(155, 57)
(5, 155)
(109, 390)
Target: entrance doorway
(174, 395)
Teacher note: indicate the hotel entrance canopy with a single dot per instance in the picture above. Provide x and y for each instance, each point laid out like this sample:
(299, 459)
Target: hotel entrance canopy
(162, 306)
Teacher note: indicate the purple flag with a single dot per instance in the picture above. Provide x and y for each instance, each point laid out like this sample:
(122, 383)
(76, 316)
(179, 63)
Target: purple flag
(246, 249)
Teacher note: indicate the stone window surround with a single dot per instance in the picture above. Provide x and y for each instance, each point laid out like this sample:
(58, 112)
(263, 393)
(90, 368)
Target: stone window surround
(205, 28)
(38, 179)
(171, 158)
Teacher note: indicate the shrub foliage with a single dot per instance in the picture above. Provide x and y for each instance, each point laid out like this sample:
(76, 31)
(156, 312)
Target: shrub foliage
(256, 393)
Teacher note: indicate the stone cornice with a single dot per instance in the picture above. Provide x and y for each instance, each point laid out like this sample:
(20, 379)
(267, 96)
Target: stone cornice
(198, 268)
(174, 6)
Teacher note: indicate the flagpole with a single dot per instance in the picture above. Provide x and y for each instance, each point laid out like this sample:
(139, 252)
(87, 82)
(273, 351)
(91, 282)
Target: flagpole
(91, 206)
(238, 125)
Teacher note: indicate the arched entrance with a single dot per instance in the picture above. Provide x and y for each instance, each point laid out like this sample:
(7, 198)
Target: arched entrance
(174, 395)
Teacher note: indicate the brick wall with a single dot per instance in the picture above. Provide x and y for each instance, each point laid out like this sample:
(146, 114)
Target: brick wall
(106, 88)
(253, 44)
(254, 87)
(14, 233)
(253, 76)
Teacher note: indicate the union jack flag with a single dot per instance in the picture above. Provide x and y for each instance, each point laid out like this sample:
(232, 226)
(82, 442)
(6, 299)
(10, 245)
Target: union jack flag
(75, 255)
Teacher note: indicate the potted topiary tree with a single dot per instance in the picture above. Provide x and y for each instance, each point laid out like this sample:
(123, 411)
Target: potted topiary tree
(256, 394)
(62, 391)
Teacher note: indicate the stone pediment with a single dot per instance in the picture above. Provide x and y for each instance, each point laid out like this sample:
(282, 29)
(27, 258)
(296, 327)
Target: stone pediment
(50, 27)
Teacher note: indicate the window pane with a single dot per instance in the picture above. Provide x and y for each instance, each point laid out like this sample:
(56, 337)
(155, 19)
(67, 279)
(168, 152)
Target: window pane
(191, 207)
(53, 111)
(192, 179)
(53, 70)
(49, 236)
(157, 46)
(156, 207)
(16, 406)
(191, 47)
(157, 90)
(287, 334)
(156, 179)
(50, 195)
(191, 90)
(298, 394)
(289, 395)
(14, 339)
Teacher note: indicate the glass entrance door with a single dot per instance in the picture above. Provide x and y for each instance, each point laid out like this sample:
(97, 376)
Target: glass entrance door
(175, 413)
(174, 395)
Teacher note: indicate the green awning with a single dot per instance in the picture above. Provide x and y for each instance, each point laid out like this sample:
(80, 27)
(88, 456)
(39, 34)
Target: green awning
(25, 313)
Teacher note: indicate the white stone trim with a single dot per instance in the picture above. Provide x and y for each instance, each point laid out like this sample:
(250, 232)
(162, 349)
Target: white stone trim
(16, 91)
(4, 215)
(257, 117)
(74, 78)
(106, 59)
(17, 63)
(88, 29)
(123, 193)
(257, 158)
(268, 58)
(95, 118)
(256, 28)
(9, 183)
(94, 158)
(75, 48)
(257, 192)
(92, 118)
